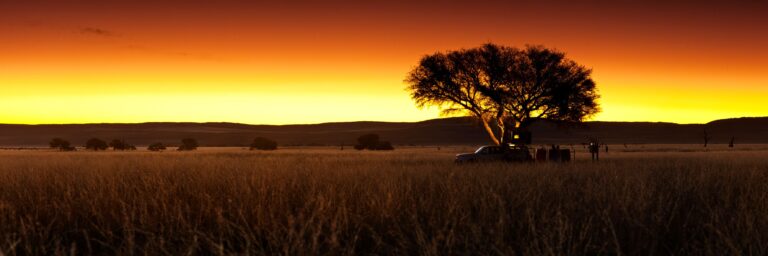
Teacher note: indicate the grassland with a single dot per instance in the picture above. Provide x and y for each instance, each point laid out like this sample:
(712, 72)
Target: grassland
(406, 202)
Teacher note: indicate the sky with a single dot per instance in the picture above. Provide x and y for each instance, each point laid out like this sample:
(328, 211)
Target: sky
(284, 62)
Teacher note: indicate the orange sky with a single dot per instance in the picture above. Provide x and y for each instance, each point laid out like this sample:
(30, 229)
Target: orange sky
(85, 61)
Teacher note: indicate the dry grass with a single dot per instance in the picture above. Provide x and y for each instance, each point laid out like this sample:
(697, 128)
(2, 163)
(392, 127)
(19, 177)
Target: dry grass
(407, 202)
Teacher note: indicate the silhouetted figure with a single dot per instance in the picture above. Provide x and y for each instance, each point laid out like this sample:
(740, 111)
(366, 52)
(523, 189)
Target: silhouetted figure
(565, 155)
(606, 148)
(730, 144)
(594, 150)
(554, 153)
(541, 154)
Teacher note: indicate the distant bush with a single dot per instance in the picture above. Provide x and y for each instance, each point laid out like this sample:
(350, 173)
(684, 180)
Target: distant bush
(188, 144)
(261, 143)
(383, 145)
(96, 144)
(371, 142)
(121, 145)
(156, 147)
(60, 144)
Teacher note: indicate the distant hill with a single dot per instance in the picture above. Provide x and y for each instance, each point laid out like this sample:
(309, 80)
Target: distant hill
(447, 131)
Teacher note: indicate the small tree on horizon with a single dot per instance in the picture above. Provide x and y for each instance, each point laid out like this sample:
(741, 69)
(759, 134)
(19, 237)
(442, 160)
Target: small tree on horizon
(58, 143)
(61, 145)
(505, 88)
(156, 147)
(188, 144)
(118, 144)
(262, 143)
(96, 144)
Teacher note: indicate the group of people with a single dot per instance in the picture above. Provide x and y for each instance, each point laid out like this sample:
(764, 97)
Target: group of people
(594, 150)
(555, 154)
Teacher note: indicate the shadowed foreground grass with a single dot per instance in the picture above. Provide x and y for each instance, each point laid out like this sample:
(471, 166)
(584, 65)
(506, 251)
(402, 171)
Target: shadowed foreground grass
(395, 203)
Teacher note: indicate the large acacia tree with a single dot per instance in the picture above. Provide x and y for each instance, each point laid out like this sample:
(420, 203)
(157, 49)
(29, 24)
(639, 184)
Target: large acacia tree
(505, 87)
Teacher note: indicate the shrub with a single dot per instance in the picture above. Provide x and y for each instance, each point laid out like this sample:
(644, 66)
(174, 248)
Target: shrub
(383, 145)
(61, 144)
(188, 144)
(121, 145)
(96, 144)
(261, 143)
(156, 147)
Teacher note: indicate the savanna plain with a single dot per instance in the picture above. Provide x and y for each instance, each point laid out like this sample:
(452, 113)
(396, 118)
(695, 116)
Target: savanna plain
(638, 200)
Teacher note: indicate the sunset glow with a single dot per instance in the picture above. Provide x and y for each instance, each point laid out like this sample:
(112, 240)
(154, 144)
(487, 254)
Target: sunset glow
(311, 62)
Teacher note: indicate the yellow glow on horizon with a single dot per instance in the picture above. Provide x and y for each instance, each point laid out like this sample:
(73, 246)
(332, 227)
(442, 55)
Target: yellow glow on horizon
(240, 108)
(670, 98)
(275, 98)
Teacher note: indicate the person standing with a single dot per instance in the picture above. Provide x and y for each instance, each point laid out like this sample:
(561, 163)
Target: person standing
(594, 150)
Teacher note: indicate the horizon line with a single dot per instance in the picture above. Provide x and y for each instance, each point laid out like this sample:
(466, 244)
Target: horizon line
(340, 122)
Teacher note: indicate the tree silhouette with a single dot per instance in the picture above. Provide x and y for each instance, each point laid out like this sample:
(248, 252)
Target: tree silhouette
(261, 143)
(58, 143)
(156, 147)
(505, 87)
(61, 145)
(96, 144)
(188, 144)
(117, 144)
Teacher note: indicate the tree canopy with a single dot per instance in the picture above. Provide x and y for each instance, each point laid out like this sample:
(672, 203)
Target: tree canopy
(58, 143)
(96, 144)
(156, 147)
(505, 87)
(118, 144)
(61, 145)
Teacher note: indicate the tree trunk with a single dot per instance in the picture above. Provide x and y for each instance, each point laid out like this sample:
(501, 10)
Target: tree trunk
(503, 133)
(490, 132)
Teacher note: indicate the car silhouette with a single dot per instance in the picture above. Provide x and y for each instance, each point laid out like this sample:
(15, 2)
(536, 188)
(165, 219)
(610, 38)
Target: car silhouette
(510, 153)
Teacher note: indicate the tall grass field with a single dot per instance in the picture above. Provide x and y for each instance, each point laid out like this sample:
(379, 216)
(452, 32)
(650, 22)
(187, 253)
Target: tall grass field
(412, 201)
